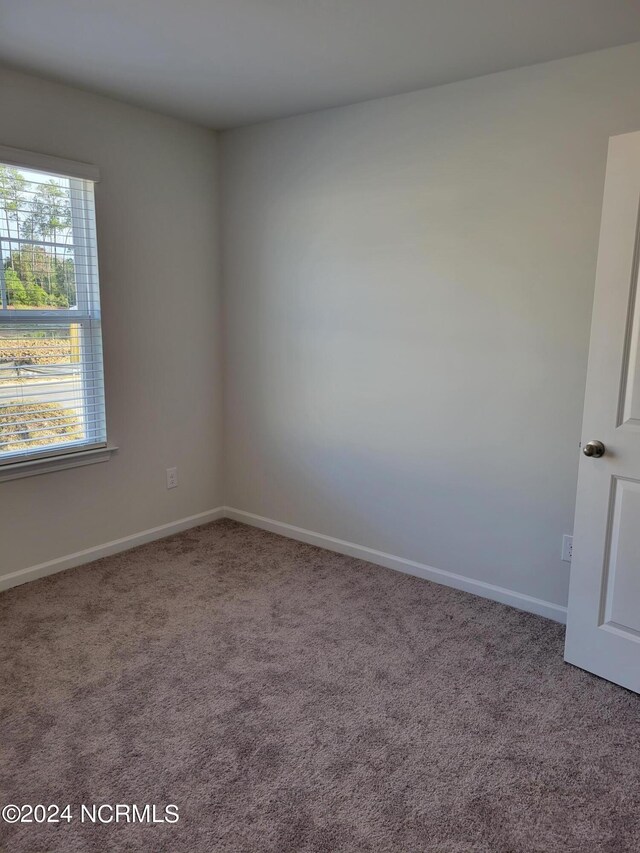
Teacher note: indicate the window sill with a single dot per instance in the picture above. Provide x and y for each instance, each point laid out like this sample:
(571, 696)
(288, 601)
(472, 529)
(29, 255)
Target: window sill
(18, 470)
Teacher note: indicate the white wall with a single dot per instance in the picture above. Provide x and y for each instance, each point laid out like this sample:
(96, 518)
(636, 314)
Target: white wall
(157, 226)
(408, 289)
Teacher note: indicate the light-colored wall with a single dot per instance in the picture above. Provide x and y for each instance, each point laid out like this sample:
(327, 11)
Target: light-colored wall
(157, 225)
(407, 298)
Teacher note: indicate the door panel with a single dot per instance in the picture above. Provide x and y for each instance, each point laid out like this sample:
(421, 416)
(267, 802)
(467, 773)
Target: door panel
(621, 592)
(631, 388)
(603, 624)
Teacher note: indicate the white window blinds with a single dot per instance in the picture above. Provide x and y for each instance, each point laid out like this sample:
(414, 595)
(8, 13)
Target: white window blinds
(51, 379)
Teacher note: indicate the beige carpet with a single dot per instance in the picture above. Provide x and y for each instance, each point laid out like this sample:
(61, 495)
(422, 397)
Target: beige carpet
(289, 699)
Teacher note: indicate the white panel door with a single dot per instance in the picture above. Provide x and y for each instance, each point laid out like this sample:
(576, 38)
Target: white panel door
(603, 627)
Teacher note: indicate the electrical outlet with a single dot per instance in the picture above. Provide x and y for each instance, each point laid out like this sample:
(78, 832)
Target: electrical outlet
(567, 548)
(172, 478)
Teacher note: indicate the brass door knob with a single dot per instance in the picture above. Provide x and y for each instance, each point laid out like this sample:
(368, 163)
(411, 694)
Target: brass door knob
(594, 449)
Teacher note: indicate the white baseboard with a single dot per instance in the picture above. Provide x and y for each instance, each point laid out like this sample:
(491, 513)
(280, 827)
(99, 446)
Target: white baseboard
(108, 548)
(399, 564)
(486, 590)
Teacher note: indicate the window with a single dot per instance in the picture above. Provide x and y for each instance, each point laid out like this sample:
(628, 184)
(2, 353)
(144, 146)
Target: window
(51, 379)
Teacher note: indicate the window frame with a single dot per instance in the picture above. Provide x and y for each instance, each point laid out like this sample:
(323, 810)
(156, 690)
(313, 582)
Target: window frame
(94, 448)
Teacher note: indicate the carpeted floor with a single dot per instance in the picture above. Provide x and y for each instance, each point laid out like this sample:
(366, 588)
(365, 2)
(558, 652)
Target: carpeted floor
(289, 699)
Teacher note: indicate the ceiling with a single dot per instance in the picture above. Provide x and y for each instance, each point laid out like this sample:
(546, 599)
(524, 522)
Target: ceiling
(224, 63)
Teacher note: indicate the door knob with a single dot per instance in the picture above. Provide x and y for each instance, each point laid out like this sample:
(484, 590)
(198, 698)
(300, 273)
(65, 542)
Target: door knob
(594, 449)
